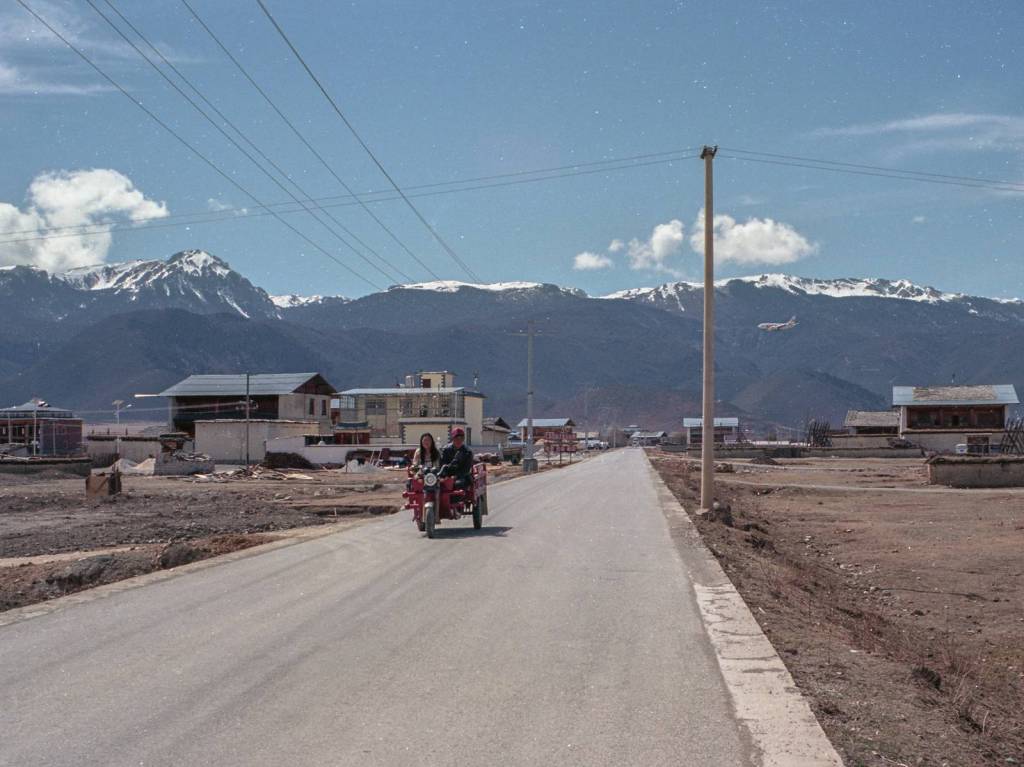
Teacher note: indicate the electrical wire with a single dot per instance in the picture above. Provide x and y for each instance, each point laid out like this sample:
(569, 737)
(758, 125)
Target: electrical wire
(366, 196)
(229, 216)
(876, 174)
(1014, 185)
(152, 115)
(263, 155)
(212, 122)
(224, 216)
(287, 176)
(302, 138)
(451, 252)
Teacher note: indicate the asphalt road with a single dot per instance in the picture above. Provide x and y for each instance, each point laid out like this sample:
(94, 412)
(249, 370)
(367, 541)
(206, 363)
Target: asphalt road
(563, 633)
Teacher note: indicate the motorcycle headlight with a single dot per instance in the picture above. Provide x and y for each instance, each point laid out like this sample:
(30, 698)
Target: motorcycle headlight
(429, 480)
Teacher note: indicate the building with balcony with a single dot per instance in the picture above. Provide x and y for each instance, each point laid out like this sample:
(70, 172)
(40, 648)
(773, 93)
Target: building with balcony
(430, 402)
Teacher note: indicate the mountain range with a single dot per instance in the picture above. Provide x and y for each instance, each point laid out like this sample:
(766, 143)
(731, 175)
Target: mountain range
(86, 337)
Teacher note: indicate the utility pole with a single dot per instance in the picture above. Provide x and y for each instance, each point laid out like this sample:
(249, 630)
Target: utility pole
(247, 408)
(707, 441)
(529, 462)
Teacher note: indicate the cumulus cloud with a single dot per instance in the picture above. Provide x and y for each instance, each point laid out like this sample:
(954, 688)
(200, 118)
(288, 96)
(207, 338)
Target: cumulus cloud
(755, 241)
(616, 245)
(73, 199)
(587, 261)
(918, 219)
(657, 252)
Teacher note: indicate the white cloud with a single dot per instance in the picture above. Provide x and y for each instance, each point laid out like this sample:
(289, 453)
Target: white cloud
(15, 82)
(616, 245)
(945, 130)
(655, 253)
(70, 199)
(587, 261)
(918, 219)
(23, 38)
(755, 241)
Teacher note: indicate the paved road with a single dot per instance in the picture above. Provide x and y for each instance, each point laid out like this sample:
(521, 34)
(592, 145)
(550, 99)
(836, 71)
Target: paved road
(565, 633)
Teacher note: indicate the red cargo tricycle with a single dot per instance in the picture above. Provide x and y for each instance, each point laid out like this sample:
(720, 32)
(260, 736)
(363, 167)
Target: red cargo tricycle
(433, 497)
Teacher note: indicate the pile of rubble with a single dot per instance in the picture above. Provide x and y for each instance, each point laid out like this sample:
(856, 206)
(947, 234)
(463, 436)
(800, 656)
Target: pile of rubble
(251, 472)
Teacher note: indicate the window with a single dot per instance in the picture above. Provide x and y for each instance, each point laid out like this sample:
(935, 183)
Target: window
(312, 406)
(376, 407)
(323, 407)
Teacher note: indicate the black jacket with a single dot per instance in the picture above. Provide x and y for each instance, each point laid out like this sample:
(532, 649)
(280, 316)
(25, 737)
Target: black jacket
(458, 461)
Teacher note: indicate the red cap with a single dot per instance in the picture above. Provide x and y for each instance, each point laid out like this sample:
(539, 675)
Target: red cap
(458, 432)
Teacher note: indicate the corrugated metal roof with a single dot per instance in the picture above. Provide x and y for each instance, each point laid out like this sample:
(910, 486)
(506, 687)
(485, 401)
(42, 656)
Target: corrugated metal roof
(394, 390)
(234, 385)
(997, 394)
(725, 421)
(546, 423)
(872, 418)
(39, 409)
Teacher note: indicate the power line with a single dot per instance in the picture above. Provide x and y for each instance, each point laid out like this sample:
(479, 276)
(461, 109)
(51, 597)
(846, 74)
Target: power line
(212, 122)
(308, 145)
(225, 216)
(676, 156)
(373, 196)
(262, 154)
(366, 148)
(255, 148)
(178, 136)
(854, 172)
(1015, 185)
(233, 213)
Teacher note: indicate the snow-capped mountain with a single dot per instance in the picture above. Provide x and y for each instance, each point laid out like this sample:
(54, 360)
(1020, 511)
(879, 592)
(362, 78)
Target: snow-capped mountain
(454, 286)
(292, 300)
(843, 287)
(192, 279)
(854, 338)
(688, 296)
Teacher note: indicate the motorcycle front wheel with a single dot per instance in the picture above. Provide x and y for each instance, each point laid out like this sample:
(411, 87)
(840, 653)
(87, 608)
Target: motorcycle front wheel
(430, 519)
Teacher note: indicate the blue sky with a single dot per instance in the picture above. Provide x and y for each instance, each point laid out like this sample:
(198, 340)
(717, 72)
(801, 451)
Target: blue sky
(457, 90)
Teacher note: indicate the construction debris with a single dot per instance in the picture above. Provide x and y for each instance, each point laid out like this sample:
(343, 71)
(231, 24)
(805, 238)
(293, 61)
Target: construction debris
(252, 472)
(103, 484)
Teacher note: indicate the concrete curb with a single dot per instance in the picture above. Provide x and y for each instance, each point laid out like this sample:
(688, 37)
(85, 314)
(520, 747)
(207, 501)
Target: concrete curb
(767, 702)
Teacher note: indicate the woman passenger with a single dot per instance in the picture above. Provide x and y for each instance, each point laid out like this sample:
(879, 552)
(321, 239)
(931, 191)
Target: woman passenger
(427, 456)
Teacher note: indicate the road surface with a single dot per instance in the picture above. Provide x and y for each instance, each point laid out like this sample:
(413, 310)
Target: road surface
(564, 633)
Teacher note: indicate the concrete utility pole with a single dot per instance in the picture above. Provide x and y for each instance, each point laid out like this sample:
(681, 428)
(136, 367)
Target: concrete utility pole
(707, 431)
(247, 408)
(529, 462)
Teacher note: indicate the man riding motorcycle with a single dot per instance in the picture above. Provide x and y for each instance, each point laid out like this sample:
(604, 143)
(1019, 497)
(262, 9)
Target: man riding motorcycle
(457, 460)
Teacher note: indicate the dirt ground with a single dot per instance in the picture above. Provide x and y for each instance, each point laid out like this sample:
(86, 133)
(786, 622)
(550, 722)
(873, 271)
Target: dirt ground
(897, 606)
(55, 541)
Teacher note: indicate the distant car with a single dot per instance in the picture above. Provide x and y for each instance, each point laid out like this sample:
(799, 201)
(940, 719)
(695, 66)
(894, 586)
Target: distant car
(961, 449)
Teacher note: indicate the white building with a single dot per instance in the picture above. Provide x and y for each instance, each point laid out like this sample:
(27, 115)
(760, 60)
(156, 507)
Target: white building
(727, 430)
